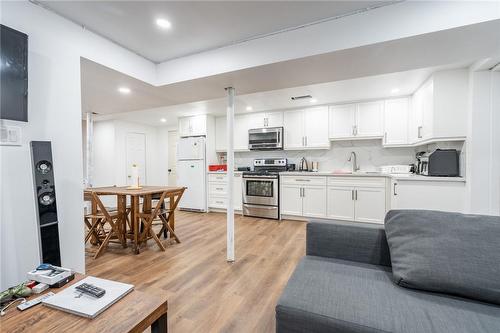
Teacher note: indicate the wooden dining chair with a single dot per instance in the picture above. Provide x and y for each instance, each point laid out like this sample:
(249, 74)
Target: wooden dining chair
(102, 224)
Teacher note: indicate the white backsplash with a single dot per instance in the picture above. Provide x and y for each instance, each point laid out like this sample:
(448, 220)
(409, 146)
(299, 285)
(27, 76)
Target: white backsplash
(370, 154)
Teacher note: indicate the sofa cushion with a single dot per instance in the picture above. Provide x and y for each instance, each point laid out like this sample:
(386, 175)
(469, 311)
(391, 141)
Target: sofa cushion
(333, 295)
(446, 252)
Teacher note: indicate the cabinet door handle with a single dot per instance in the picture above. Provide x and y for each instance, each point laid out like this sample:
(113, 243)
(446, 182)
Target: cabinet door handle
(355, 194)
(352, 194)
(394, 189)
(353, 130)
(303, 192)
(303, 180)
(385, 137)
(306, 141)
(419, 132)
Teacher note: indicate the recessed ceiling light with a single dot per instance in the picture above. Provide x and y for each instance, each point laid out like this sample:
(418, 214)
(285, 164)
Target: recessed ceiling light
(124, 90)
(394, 90)
(163, 23)
(314, 100)
(249, 108)
(163, 120)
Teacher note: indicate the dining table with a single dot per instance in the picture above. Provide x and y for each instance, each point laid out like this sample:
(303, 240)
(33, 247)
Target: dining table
(138, 228)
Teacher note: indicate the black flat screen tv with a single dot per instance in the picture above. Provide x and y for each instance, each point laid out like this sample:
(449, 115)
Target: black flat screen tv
(13, 74)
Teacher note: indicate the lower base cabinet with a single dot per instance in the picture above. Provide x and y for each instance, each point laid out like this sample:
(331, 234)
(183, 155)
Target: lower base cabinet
(433, 195)
(361, 199)
(361, 204)
(217, 191)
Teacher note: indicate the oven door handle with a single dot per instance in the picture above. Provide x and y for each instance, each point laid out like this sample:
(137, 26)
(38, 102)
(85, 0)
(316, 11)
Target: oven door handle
(259, 178)
(260, 206)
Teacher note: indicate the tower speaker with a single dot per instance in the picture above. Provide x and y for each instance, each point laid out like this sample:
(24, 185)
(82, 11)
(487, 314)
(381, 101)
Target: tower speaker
(46, 204)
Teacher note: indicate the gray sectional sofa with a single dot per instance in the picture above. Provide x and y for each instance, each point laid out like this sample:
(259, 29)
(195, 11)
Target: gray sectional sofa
(345, 284)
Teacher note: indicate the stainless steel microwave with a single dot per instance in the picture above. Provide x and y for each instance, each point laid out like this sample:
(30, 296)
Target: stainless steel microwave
(269, 138)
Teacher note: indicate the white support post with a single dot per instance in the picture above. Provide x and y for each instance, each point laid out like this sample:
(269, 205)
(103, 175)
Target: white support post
(230, 173)
(89, 150)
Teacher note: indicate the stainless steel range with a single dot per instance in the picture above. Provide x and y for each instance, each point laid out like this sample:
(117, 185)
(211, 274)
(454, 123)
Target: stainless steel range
(261, 188)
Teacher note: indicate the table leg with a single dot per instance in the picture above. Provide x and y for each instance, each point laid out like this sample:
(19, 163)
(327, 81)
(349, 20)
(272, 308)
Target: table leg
(134, 210)
(146, 209)
(171, 220)
(93, 239)
(160, 325)
(122, 221)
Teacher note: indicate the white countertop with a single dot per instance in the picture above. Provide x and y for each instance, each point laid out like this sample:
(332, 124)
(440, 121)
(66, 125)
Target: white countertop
(410, 177)
(223, 172)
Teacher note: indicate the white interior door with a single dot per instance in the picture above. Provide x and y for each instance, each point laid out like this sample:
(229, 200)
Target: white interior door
(136, 154)
(172, 158)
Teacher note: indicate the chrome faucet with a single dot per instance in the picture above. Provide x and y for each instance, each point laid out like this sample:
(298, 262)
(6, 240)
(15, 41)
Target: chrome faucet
(354, 161)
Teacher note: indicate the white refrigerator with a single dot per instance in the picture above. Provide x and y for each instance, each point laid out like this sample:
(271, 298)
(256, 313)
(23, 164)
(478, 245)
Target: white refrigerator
(192, 173)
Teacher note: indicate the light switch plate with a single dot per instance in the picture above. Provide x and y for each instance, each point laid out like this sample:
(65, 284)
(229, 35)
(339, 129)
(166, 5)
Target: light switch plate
(10, 135)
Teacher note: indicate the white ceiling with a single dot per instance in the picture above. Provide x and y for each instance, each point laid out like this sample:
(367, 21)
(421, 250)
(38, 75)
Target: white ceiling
(462, 45)
(196, 26)
(366, 88)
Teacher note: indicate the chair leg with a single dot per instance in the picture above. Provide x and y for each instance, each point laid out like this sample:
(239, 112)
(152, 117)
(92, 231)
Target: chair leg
(167, 226)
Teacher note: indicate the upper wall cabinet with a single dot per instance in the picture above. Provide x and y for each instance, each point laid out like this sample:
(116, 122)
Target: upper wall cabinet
(193, 126)
(439, 108)
(356, 121)
(396, 122)
(306, 129)
(240, 133)
(265, 119)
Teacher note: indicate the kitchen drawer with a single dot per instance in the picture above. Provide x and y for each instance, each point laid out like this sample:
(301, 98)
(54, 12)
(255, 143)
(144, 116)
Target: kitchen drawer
(219, 189)
(217, 202)
(215, 177)
(357, 181)
(304, 180)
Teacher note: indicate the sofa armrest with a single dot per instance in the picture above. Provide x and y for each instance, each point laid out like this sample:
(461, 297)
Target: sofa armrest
(360, 242)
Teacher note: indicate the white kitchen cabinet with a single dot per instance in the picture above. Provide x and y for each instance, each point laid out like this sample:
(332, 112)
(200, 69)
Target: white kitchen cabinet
(430, 194)
(369, 119)
(339, 203)
(303, 196)
(192, 126)
(439, 108)
(240, 133)
(217, 191)
(314, 201)
(356, 121)
(220, 134)
(316, 127)
(265, 119)
(237, 192)
(291, 200)
(293, 129)
(369, 204)
(360, 199)
(342, 121)
(396, 122)
(306, 129)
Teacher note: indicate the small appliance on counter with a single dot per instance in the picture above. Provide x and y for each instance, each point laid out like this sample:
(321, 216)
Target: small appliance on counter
(243, 169)
(303, 166)
(314, 166)
(290, 167)
(439, 163)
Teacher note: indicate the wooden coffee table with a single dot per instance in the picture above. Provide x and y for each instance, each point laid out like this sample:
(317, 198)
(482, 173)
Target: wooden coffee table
(133, 313)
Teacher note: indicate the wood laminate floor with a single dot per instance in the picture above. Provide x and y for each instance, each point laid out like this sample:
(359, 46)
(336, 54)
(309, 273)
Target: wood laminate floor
(206, 293)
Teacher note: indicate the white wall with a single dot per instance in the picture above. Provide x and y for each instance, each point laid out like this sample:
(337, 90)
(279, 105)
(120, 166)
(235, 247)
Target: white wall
(110, 152)
(483, 146)
(54, 108)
